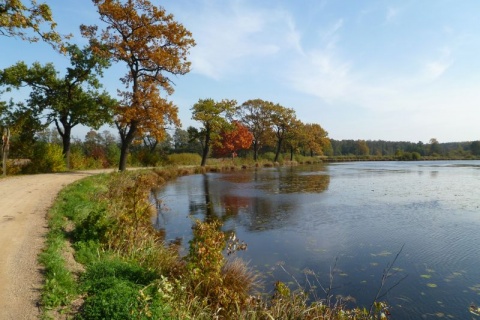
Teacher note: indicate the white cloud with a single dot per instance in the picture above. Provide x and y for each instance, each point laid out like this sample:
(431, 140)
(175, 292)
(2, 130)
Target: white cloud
(229, 34)
(325, 73)
(321, 74)
(436, 68)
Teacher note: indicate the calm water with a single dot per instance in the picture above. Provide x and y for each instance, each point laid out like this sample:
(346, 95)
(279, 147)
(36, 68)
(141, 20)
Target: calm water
(357, 214)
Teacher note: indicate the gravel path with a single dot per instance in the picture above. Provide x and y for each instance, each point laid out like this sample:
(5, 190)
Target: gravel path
(24, 201)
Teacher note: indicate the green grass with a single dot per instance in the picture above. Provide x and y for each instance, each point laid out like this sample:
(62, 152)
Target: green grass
(72, 204)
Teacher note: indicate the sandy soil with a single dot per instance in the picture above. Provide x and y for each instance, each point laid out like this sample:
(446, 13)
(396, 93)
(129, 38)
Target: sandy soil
(24, 201)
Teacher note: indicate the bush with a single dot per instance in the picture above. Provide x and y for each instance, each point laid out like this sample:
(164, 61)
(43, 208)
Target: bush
(93, 227)
(224, 286)
(47, 157)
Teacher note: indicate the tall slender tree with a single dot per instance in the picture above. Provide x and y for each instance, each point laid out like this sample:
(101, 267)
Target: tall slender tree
(282, 121)
(151, 44)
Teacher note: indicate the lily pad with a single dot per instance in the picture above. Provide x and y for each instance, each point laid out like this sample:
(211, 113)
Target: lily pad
(431, 285)
(426, 276)
(384, 253)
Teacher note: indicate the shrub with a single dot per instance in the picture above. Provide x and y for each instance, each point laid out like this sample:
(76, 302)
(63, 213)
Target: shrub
(47, 157)
(93, 227)
(224, 287)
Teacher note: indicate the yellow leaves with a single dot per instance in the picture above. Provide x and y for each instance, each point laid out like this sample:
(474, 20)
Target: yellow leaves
(16, 20)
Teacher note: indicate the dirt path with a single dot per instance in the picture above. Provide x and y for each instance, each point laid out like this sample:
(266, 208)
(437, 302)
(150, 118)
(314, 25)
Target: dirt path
(24, 201)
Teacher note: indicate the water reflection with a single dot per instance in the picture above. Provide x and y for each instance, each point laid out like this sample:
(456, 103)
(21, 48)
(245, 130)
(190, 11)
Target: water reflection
(291, 181)
(226, 196)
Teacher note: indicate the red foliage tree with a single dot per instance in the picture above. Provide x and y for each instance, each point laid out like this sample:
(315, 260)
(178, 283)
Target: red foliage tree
(232, 139)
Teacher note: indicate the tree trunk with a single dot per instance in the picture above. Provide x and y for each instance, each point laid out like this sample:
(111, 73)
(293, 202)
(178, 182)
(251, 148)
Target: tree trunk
(206, 149)
(126, 138)
(291, 153)
(66, 142)
(5, 148)
(255, 150)
(279, 146)
(123, 156)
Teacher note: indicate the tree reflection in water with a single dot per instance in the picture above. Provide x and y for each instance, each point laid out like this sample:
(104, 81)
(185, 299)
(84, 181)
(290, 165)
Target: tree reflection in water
(260, 199)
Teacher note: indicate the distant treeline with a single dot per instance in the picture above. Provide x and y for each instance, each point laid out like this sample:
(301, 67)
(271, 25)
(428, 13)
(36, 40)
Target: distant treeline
(403, 150)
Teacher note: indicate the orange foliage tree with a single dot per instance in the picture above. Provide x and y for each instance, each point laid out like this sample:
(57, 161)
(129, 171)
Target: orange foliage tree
(150, 43)
(236, 137)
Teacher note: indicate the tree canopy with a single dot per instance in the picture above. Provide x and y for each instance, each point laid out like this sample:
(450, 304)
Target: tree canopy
(282, 120)
(18, 19)
(214, 116)
(232, 139)
(255, 115)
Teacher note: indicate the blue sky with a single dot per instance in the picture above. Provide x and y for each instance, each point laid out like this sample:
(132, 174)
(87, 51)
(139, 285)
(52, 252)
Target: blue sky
(391, 70)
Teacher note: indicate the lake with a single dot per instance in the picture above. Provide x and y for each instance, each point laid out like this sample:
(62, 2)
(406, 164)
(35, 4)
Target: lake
(352, 218)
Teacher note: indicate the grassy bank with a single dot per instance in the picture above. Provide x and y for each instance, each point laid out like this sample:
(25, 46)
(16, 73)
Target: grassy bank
(104, 260)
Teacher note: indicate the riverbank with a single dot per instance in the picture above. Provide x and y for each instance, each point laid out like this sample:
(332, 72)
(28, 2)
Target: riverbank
(106, 220)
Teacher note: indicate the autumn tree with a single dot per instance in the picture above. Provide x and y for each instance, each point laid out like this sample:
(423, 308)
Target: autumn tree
(362, 148)
(232, 139)
(296, 137)
(316, 139)
(151, 44)
(255, 115)
(18, 19)
(282, 120)
(214, 116)
(68, 100)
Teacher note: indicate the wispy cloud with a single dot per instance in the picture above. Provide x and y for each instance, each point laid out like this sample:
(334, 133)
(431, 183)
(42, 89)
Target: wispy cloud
(435, 68)
(336, 80)
(228, 35)
(321, 71)
(330, 33)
